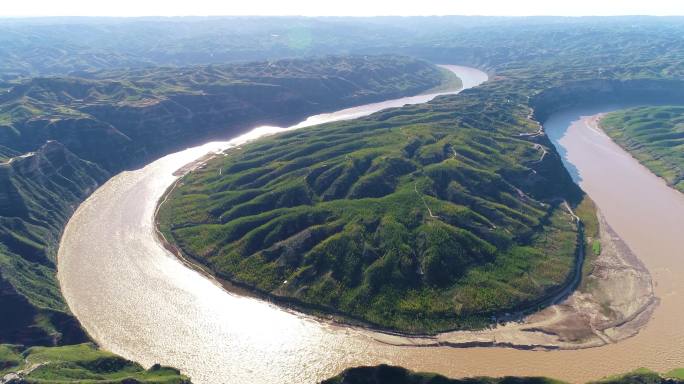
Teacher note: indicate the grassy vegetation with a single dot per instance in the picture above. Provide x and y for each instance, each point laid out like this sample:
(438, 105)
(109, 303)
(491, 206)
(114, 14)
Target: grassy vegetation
(419, 219)
(38, 193)
(676, 374)
(82, 363)
(99, 121)
(422, 218)
(586, 211)
(384, 374)
(10, 359)
(639, 376)
(361, 189)
(655, 136)
(416, 219)
(123, 118)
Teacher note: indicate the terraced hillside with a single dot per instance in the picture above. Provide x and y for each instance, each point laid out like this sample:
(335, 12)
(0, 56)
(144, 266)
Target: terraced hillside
(360, 219)
(60, 138)
(419, 219)
(655, 136)
(468, 173)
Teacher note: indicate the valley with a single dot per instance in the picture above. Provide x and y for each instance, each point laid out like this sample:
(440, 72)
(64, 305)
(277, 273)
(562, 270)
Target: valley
(655, 136)
(280, 332)
(92, 129)
(527, 226)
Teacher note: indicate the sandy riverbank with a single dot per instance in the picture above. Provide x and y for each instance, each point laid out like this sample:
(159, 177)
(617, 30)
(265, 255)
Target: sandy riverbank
(140, 301)
(614, 302)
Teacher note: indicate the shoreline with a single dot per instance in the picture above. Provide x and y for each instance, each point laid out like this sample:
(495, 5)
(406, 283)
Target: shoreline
(595, 123)
(338, 318)
(578, 322)
(564, 323)
(186, 312)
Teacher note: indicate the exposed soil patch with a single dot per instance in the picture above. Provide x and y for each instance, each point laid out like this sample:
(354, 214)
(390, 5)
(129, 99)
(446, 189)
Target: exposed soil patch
(614, 303)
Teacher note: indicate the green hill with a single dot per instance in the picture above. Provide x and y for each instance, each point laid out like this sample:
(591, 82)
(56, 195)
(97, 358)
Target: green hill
(419, 219)
(126, 118)
(38, 193)
(468, 160)
(423, 218)
(655, 136)
(385, 374)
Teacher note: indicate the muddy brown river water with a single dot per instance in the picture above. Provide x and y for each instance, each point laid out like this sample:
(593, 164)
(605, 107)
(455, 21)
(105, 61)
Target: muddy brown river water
(138, 300)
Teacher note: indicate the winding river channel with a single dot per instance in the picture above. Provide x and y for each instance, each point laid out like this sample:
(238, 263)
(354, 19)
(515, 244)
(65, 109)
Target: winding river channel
(138, 300)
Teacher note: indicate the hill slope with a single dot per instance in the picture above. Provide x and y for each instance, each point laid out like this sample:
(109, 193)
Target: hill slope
(126, 118)
(655, 136)
(79, 364)
(38, 193)
(530, 56)
(60, 138)
(420, 219)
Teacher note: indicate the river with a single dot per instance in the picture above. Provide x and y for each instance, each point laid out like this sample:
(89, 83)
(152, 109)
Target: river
(138, 300)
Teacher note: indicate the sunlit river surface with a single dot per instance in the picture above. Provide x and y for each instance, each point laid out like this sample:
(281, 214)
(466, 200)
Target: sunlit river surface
(138, 300)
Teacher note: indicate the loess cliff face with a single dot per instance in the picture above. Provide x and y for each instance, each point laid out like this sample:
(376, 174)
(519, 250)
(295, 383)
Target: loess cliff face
(60, 138)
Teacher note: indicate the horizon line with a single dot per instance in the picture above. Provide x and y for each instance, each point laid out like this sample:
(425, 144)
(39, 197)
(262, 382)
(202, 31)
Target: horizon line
(334, 16)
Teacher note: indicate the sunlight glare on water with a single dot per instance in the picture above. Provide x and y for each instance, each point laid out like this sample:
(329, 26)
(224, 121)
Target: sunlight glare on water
(138, 300)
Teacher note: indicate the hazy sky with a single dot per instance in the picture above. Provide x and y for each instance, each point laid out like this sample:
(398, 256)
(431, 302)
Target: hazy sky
(338, 7)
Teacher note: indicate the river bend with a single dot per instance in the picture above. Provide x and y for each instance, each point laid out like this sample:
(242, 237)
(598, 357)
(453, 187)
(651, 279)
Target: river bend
(136, 299)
